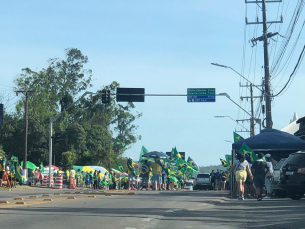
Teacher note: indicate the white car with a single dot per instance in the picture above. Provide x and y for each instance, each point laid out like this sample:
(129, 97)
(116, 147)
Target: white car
(202, 180)
(189, 184)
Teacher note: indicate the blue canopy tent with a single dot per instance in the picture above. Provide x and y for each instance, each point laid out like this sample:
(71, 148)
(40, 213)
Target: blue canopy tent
(278, 143)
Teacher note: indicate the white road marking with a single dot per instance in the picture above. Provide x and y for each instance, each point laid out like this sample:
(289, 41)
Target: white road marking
(147, 219)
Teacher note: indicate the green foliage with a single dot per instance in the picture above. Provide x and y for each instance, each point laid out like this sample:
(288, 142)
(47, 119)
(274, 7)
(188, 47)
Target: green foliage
(88, 128)
(2, 153)
(68, 159)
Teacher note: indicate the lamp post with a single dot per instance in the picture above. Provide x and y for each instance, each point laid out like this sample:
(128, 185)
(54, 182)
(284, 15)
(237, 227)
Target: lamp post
(258, 121)
(53, 119)
(251, 89)
(231, 119)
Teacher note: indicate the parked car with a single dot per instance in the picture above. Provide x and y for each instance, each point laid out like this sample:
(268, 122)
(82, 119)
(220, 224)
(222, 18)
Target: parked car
(189, 184)
(275, 184)
(293, 175)
(202, 180)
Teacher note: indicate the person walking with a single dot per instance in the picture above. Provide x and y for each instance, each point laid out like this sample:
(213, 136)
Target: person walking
(223, 179)
(269, 175)
(156, 169)
(241, 167)
(217, 180)
(259, 169)
(212, 175)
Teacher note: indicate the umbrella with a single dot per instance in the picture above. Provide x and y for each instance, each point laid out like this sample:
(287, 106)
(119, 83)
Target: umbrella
(99, 168)
(155, 154)
(53, 167)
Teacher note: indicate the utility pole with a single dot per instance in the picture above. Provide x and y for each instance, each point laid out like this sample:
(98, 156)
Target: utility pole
(26, 93)
(264, 38)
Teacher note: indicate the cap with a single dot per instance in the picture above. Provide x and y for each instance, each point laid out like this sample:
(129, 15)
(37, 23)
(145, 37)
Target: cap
(267, 155)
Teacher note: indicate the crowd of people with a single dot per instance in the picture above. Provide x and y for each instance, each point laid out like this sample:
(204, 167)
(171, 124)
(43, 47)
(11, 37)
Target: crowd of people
(251, 178)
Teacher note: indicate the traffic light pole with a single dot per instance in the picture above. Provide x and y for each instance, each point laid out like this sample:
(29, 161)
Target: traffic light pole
(53, 119)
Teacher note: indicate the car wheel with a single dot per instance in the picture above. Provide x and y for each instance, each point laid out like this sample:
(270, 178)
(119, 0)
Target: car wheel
(296, 195)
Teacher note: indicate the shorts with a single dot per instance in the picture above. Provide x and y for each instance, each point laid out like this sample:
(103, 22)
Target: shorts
(131, 177)
(156, 178)
(241, 175)
(249, 181)
(163, 180)
(259, 181)
(1, 174)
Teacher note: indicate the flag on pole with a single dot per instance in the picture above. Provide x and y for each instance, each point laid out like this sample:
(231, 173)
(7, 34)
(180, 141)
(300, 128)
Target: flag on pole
(14, 159)
(223, 162)
(229, 160)
(237, 137)
(119, 142)
(41, 168)
(248, 152)
(194, 165)
(120, 168)
(175, 153)
(143, 151)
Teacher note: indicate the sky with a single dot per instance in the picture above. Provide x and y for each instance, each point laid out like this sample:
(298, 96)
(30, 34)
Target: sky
(164, 47)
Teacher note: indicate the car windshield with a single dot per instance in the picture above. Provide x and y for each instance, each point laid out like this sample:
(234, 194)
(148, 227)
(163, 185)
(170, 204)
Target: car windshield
(279, 164)
(203, 176)
(296, 159)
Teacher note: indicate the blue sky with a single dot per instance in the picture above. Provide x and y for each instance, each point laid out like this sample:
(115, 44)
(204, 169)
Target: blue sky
(164, 47)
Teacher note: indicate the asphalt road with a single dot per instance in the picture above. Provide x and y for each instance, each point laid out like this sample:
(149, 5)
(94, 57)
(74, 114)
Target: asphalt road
(145, 209)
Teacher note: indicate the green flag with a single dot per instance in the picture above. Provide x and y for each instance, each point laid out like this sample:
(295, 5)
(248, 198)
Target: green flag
(14, 159)
(119, 142)
(120, 168)
(237, 137)
(247, 151)
(229, 160)
(13, 168)
(41, 168)
(175, 153)
(194, 165)
(30, 165)
(223, 162)
(143, 151)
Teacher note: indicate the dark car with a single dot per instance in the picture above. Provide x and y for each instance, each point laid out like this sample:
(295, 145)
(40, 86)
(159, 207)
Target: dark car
(293, 175)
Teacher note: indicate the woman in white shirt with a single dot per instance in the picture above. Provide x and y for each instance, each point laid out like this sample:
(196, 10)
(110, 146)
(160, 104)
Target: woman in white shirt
(242, 169)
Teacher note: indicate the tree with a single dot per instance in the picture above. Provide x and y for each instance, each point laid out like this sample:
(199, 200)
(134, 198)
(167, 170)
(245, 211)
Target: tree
(68, 159)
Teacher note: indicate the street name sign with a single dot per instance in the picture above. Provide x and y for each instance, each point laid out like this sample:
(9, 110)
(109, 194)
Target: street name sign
(201, 95)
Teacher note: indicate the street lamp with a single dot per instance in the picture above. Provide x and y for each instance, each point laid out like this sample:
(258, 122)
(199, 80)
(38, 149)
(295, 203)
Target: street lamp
(224, 66)
(232, 119)
(258, 121)
(53, 119)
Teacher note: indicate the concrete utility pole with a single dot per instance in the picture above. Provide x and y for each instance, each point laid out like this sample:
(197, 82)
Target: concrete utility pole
(264, 38)
(26, 93)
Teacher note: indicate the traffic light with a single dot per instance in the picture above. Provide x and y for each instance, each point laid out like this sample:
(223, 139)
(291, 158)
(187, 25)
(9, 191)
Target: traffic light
(105, 96)
(57, 137)
(1, 114)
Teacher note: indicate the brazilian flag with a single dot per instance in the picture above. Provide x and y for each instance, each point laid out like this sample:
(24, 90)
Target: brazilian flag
(120, 168)
(20, 175)
(237, 137)
(194, 165)
(178, 173)
(248, 152)
(120, 143)
(175, 154)
(143, 151)
(223, 162)
(14, 159)
(229, 160)
(41, 168)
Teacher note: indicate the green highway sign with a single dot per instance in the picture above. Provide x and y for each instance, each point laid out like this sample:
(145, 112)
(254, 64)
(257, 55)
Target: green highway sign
(201, 95)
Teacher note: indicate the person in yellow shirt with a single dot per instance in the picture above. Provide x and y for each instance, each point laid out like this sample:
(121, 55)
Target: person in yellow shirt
(156, 169)
(131, 173)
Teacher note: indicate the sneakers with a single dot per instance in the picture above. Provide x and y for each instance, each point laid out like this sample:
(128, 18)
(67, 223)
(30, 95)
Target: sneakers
(267, 197)
(259, 198)
(133, 188)
(241, 198)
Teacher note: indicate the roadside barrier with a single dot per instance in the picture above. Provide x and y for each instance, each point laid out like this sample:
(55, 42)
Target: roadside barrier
(58, 182)
(45, 181)
(72, 183)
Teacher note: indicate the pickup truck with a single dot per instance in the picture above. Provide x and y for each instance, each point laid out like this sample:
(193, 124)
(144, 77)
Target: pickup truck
(202, 180)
